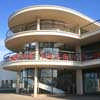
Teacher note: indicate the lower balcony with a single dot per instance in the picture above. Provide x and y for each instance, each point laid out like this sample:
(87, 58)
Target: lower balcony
(17, 61)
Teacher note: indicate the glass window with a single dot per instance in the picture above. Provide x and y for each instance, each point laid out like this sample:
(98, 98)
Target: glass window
(91, 82)
(27, 79)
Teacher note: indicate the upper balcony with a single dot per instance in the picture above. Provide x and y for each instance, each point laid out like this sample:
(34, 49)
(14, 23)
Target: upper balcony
(90, 33)
(41, 31)
(45, 23)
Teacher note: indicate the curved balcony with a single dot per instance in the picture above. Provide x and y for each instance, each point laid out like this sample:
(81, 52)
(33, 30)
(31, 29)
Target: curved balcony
(49, 30)
(44, 25)
(17, 61)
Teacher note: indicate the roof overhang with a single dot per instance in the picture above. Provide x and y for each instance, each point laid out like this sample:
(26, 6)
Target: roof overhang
(67, 15)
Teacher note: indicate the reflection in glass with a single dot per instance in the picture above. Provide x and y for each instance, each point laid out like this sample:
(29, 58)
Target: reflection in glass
(91, 82)
(27, 79)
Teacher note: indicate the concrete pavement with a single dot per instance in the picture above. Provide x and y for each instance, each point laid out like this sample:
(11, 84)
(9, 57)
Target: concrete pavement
(46, 97)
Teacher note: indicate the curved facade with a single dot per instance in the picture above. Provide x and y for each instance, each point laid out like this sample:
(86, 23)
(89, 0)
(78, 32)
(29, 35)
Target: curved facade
(51, 50)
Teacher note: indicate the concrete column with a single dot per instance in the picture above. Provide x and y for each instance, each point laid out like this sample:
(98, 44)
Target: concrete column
(38, 23)
(37, 51)
(35, 81)
(79, 82)
(18, 82)
(78, 50)
(79, 31)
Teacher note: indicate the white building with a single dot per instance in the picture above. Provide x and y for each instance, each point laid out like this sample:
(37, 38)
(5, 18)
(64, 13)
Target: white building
(56, 50)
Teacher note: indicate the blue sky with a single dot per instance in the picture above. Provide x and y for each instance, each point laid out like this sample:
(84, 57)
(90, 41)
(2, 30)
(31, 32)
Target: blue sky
(90, 8)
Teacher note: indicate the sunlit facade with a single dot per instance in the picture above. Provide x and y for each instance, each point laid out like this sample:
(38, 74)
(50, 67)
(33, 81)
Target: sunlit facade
(55, 50)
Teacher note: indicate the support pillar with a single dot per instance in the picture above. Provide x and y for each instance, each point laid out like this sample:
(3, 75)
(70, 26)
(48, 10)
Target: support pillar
(79, 31)
(78, 50)
(37, 51)
(18, 83)
(36, 70)
(36, 58)
(38, 23)
(79, 82)
(35, 82)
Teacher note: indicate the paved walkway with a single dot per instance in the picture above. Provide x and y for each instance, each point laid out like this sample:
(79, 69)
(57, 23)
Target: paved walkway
(44, 97)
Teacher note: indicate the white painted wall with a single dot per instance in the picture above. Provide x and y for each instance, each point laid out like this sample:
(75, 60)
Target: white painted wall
(7, 75)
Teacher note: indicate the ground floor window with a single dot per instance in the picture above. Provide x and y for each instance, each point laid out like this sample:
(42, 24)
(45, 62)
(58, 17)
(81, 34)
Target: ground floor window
(8, 84)
(27, 81)
(92, 81)
(50, 80)
(60, 80)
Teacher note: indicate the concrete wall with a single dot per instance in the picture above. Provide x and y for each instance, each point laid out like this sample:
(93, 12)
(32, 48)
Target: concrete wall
(7, 75)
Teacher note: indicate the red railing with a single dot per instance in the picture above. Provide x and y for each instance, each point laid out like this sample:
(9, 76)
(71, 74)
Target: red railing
(17, 56)
(50, 56)
(61, 56)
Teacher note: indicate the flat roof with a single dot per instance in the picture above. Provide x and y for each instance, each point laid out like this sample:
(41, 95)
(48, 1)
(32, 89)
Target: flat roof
(29, 14)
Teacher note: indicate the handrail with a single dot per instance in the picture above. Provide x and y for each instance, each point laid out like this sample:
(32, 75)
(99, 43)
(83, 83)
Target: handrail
(50, 57)
(60, 56)
(18, 56)
(90, 56)
(44, 25)
(42, 56)
(90, 27)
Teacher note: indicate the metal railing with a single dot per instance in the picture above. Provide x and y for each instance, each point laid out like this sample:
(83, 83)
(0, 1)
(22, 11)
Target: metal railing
(60, 56)
(91, 27)
(17, 56)
(52, 57)
(90, 56)
(44, 25)
(48, 24)
(20, 28)
(42, 56)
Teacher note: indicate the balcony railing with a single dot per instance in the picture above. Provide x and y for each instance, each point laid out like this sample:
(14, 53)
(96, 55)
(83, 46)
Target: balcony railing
(60, 56)
(43, 56)
(44, 25)
(90, 56)
(17, 56)
(91, 27)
